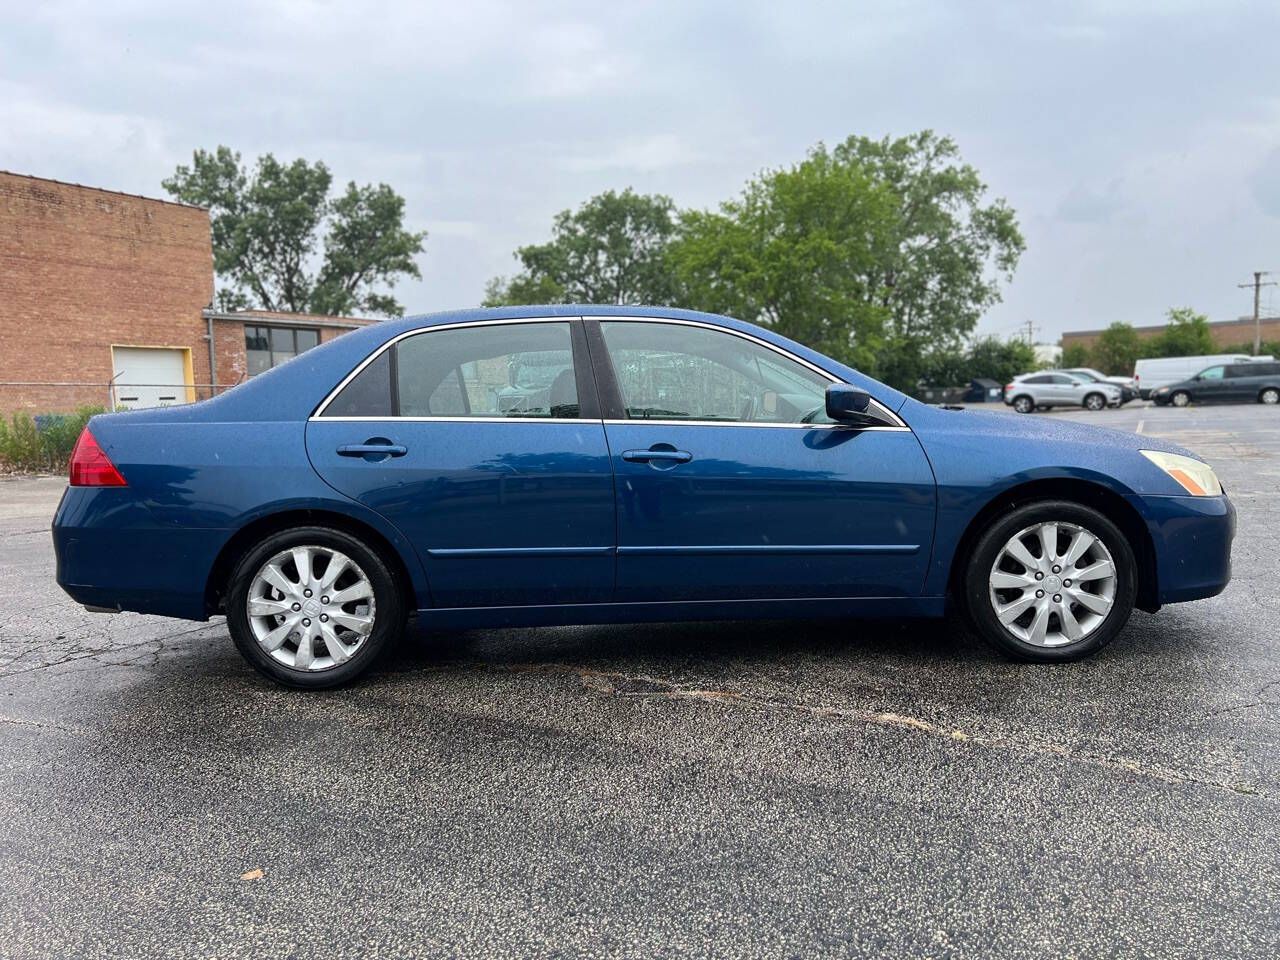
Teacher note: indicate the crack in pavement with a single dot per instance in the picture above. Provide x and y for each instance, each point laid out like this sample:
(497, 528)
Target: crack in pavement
(632, 686)
(78, 652)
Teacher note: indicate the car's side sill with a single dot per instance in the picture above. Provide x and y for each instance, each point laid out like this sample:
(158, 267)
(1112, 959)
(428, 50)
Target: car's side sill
(462, 618)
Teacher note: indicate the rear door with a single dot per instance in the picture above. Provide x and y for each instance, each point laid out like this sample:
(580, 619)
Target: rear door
(483, 444)
(732, 483)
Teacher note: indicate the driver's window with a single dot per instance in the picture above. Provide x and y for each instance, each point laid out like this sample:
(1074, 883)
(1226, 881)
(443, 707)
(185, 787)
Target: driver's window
(676, 372)
(1213, 373)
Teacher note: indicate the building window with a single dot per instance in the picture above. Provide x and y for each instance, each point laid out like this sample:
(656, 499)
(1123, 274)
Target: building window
(267, 347)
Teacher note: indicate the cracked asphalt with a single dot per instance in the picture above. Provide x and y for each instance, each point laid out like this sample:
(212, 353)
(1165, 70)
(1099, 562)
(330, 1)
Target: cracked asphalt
(775, 789)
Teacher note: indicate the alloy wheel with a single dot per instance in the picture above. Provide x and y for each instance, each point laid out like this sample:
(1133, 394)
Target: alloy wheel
(1095, 401)
(1270, 396)
(1180, 399)
(1023, 405)
(311, 608)
(1053, 584)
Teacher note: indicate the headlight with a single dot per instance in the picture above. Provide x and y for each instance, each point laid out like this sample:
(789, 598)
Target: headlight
(1163, 390)
(1194, 476)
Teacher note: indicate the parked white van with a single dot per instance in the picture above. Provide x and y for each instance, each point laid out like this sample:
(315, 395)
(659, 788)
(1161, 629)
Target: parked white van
(1158, 372)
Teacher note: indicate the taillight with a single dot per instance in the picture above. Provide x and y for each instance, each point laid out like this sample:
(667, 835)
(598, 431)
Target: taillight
(1008, 387)
(90, 467)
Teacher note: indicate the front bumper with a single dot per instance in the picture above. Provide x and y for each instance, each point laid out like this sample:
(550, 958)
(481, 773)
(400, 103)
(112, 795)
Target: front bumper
(1192, 539)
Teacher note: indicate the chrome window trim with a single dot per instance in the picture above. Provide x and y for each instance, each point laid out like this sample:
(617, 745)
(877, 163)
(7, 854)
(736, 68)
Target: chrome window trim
(897, 424)
(495, 419)
(751, 423)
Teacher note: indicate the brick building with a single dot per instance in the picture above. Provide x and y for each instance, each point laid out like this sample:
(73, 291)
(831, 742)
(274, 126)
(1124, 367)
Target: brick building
(105, 298)
(1227, 334)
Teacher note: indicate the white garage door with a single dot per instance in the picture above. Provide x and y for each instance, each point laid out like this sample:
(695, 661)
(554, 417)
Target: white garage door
(149, 376)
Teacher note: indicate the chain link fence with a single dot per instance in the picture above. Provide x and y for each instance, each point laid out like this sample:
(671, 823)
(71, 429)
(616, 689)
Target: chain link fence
(49, 397)
(40, 421)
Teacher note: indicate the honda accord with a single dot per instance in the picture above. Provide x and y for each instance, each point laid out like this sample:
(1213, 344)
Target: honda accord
(569, 465)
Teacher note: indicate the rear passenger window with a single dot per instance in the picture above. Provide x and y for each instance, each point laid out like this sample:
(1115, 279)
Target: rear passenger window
(513, 370)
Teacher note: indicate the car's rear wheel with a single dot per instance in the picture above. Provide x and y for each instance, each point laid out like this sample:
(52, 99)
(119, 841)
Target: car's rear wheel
(1269, 396)
(1023, 404)
(1095, 401)
(1180, 398)
(1050, 581)
(313, 607)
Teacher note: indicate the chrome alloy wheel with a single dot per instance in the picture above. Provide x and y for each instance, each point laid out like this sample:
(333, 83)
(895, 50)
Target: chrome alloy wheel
(311, 607)
(1053, 584)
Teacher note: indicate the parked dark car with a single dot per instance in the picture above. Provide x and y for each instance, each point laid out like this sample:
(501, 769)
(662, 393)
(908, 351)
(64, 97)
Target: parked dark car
(660, 465)
(984, 390)
(1225, 383)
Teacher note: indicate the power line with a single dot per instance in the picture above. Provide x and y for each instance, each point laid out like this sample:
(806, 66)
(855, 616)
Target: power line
(1257, 305)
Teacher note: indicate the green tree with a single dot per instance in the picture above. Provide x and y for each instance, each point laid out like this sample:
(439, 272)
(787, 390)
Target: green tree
(1116, 350)
(612, 249)
(1075, 355)
(280, 242)
(879, 252)
(1187, 335)
(999, 359)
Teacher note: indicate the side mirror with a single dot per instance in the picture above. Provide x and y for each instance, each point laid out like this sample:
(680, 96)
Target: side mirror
(847, 403)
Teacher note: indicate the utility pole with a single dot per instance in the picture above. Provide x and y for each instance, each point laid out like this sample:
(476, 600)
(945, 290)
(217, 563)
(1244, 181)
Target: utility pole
(1030, 334)
(1257, 305)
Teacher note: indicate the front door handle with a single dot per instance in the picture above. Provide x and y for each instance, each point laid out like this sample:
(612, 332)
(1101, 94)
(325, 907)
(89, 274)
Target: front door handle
(647, 456)
(373, 449)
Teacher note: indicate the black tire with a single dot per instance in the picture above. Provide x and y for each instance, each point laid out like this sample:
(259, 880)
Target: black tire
(1095, 402)
(1270, 396)
(1180, 398)
(389, 605)
(1023, 404)
(976, 593)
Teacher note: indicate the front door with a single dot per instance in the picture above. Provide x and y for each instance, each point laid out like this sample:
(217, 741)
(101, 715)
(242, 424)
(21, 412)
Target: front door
(732, 483)
(1211, 385)
(482, 443)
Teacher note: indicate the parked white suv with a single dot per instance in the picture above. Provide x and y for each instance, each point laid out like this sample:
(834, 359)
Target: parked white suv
(1055, 388)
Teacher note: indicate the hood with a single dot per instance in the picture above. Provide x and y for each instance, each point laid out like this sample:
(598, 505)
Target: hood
(1032, 428)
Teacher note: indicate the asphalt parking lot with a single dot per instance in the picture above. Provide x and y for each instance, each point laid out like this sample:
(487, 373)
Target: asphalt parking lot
(772, 789)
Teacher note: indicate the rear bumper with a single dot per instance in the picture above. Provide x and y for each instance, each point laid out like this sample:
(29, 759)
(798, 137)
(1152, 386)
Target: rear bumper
(112, 553)
(1192, 538)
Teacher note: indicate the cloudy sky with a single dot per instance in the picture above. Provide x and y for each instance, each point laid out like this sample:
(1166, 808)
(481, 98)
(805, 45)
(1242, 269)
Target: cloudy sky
(1139, 141)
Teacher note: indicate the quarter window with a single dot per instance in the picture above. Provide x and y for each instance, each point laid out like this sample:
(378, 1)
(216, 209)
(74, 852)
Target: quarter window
(678, 372)
(507, 370)
(266, 347)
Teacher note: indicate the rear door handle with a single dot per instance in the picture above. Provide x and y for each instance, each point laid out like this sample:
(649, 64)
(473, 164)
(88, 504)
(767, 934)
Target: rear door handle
(372, 450)
(645, 456)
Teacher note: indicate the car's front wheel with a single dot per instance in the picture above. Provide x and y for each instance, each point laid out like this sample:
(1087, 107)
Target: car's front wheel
(313, 607)
(1050, 581)
(1095, 402)
(1180, 398)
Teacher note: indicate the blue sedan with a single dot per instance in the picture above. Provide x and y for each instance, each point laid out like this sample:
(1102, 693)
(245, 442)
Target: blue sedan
(567, 465)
